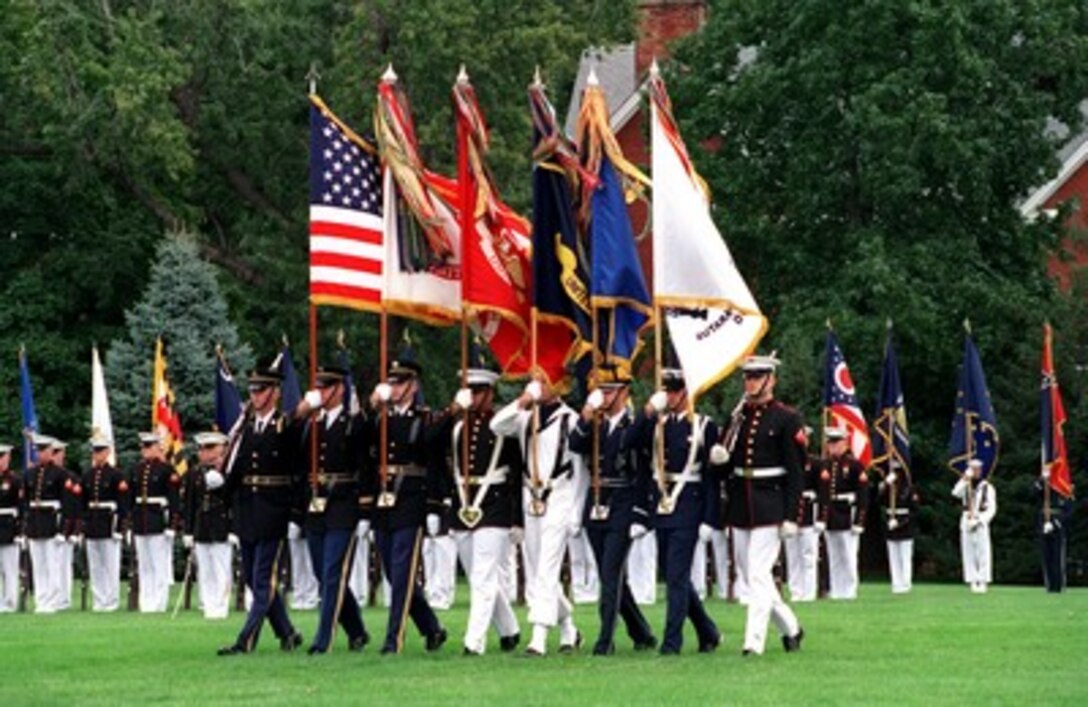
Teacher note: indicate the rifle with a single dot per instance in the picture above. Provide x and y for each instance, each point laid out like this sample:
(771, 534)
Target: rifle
(25, 576)
(133, 575)
(84, 575)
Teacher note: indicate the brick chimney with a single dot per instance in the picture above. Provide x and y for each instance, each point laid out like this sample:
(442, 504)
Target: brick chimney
(662, 21)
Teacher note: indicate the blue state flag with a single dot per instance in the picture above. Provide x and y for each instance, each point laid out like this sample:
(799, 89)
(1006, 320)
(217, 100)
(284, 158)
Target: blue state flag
(30, 414)
(891, 438)
(228, 401)
(290, 386)
(974, 427)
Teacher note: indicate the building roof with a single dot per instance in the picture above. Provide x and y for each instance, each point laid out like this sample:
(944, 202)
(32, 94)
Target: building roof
(1073, 155)
(615, 69)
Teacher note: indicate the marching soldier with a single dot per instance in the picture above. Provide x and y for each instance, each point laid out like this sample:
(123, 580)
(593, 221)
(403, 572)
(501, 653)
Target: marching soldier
(207, 516)
(486, 505)
(900, 502)
(45, 490)
(844, 501)
(618, 507)
(762, 453)
(410, 490)
(105, 491)
(803, 549)
(11, 538)
(687, 506)
(332, 510)
(154, 520)
(979, 508)
(553, 497)
(264, 483)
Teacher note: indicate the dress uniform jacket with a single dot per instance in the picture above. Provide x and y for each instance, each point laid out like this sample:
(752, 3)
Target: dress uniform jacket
(411, 468)
(206, 512)
(341, 454)
(153, 492)
(906, 507)
(700, 500)
(623, 472)
(500, 507)
(810, 491)
(44, 494)
(764, 471)
(844, 493)
(11, 501)
(72, 503)
(265, 478)
(105, 494)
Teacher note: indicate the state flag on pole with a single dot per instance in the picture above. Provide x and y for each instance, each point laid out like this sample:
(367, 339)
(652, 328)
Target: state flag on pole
(164, 418)
(891, 439)
(1055, 458)
(101, 421)
(841, 402)
(974, 427)
(712, 317)
(346, 249)
(30, 414)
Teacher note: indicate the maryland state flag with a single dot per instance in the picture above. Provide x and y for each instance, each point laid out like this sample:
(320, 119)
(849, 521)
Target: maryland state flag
(1052, 415)
(974, 427)
(841, 407)
(560, 277)
(164, 418)
(891, 439)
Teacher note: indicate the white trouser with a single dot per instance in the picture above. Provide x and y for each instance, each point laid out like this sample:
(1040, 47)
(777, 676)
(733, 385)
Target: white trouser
(104, 566)
(544, 546)
(719, 549)
(642, 568)
(757, 551)
(154, 556)
(900, 564)
(9, 578)
(584, 582)
(977, 561)
(842, 564)
(439, 570)
(740, 582)
(508, 571)
(359, 581)
(45, 558)
(483, 553)
(304, 587)
(66, 551)
(213, 572)
(802, 555)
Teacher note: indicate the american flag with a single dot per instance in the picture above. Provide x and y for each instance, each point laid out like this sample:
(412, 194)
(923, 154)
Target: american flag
(345, 215)
(841, 402)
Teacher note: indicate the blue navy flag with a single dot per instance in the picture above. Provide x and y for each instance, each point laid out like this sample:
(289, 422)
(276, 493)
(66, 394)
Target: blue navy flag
(228, 402)
(891, 439)
(30, 415)
(290, 387)
(974, 427)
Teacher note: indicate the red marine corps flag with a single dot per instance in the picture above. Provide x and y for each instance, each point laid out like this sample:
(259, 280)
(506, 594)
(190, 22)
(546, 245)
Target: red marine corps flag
(1055, 460)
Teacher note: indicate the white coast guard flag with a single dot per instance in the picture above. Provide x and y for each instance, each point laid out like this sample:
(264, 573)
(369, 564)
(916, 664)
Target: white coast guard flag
(101, 423)
(713, 320)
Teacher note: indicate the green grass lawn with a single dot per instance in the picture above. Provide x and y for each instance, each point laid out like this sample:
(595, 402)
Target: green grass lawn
(938, 645)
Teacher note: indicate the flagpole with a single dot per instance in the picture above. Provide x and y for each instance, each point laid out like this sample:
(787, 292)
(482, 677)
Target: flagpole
(969, 438)
(313, 413)
(1048, 357)
(890, 451)
(468, 210)
(595, 376)
(534, 451)
(659, 425)
(383, 424)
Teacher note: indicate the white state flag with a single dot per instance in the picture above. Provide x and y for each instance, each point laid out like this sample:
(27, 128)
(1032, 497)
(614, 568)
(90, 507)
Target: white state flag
(713, 320)
(101, 425)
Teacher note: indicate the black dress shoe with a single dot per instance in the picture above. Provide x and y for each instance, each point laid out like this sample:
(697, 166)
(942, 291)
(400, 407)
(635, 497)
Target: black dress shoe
(509, 643)
(568, 648)
(314, 650)
(746, 653)
(233, 649)
(468, 652)
(359, 642)
(436, 639)
(389, 650)
(604, 649)
(647, 645)
(531, 652)
(669, 651)
(711, 645)
(793, 643)
(290, 643)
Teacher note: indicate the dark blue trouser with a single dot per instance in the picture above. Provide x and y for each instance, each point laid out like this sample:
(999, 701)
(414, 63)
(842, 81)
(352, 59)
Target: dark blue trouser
(678, 548)
(399, 549)
(1054, 560)
(332, 552)
(260, 565)
(610, 548)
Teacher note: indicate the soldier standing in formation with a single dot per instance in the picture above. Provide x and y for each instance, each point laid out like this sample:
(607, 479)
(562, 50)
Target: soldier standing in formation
(11, 538)
(486, 506)
(687, 508)
(72, 510)
(45, 490)
(332, 510)
(844, 501)
(617, 508)
(554, 498)
(208, 524)
(900, 502)
(105, 492)
(979, 507)
(803, 549)
(1052, 525)
(762, 454)
(264, 482)
(154, 519)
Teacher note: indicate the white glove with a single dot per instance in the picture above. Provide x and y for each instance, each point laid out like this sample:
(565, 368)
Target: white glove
(294, 531)
(576, 531)
(972, 523)
(313, 399)
(718, 455)
(233, 540)
(20, 541)
(517, 535)
(383, 391)
(892, 478)
(857, 529)
(128, 537)
(534, 390)
(637, 530)
(788, 529)
(169, 534)
(362, 528)
(820, 526)
(658, 401)
(187, 542)
(434, 524)
(213, 480)
(705, 532)
(1048, 527)
(76, 540)
(595, 399)
(463, 399)
(893, 524)
(1046, 472)
(59, 538)
(118, 536)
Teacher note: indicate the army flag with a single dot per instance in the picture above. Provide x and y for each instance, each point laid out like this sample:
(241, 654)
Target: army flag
(891, 439)
(346, 250)
(560, 274)
(164, 417)
(974, 427)
(101, 422)
(841, 402)
(30, 414)
(1055, 458)
(712, 317)
(228, 401)
(290, 386)
(422, 261)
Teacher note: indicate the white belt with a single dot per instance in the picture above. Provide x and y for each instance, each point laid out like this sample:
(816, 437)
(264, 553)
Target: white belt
(851, 497)
(686, 477)
(899, 511)
(153, 501)
(9, 512)
(495, 476)
(810, 495)
(55, 505)
(102, 505)
(761, 472)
